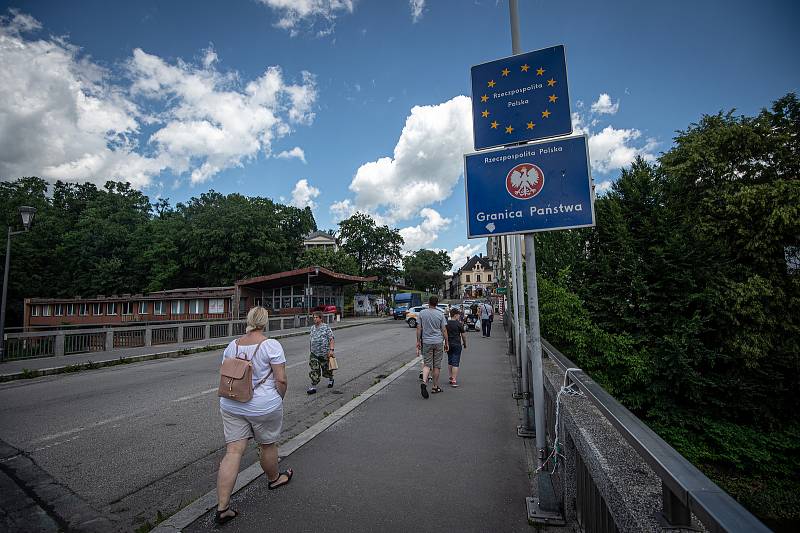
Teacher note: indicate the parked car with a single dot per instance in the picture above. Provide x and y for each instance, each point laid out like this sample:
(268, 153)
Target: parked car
(399, 313)
(411, 314)
(326, 309)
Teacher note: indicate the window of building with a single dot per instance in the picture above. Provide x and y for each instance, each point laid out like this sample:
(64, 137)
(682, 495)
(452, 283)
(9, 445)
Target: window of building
(111, 308)
(34, 310)
(216, 306)
(477, 277)
(59, 309)
(467, 278)
(127, 308)
(196, 307)
(97, 309)
(177, 307)
(158, 308)
(142, 308)
(70, 309)
(83, 309)
(488, 277)
(46, 309)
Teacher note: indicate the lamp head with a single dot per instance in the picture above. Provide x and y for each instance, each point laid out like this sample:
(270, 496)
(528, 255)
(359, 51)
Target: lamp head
(27, 213)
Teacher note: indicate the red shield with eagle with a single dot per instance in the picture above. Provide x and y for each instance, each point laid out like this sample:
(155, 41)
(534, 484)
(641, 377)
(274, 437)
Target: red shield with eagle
(524, 181)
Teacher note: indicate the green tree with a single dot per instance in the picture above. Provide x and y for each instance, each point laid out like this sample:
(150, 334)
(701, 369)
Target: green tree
(338, 261)
(376, 249)
(424, 269)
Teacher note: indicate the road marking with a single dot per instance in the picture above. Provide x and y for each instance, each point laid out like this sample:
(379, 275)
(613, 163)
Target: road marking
(196, 395)
(81, 428)
(76, 437)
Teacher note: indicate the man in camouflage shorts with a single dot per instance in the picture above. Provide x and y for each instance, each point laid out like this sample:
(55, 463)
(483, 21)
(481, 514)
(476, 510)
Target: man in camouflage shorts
(321, 341)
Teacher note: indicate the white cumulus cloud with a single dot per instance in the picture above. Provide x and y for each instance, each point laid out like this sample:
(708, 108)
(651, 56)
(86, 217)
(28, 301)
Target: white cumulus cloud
(295, 152)
(611, 148)
(426, 232)
(64, 117)
(604, 105)
(426, 164)
(303, 194)
(417, 6)
(295, 13)
(462, 253)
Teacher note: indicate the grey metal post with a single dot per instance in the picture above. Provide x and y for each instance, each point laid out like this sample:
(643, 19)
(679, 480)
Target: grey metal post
(148, 335)
(535, 341)
(527, 428)
(517, 347)
(5, 293)
(58, 348)
(109, 340)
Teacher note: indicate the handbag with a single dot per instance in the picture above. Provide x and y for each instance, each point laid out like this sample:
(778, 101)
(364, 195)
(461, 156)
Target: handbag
(332, 364)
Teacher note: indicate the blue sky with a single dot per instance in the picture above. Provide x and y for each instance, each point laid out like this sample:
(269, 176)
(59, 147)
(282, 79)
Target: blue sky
(356, 104)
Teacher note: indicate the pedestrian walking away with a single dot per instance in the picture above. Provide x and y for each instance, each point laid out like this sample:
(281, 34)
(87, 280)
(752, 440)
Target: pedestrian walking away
(487, 316)
(457, 341)
(260, 418)
(431, 335)
(322, 343)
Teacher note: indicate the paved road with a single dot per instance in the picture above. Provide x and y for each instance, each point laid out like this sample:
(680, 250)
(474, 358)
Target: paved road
(140, 438)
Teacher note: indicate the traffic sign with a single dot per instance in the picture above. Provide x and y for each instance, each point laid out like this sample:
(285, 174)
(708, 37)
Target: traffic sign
(520, 98)
(535, 187)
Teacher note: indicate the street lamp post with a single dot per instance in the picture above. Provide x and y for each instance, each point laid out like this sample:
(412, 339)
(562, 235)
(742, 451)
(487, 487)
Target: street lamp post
(27, 213)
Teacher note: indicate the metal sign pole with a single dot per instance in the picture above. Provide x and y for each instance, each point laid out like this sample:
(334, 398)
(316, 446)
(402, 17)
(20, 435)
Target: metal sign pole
(535, 342)
(518, 347)
(527, 428)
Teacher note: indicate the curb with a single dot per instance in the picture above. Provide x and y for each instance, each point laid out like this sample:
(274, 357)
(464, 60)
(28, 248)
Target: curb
(172, 354)
(208, 501)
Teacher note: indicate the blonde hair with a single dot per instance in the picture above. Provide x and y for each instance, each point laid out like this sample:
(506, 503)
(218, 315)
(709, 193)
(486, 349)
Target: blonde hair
(257, 319)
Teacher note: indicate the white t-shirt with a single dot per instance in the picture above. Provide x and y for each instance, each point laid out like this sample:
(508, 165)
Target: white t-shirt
(265, 397)
(486, 311)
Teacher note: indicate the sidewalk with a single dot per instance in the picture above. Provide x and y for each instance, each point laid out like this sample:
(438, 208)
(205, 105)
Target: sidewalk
(399, 462)
(22, 368)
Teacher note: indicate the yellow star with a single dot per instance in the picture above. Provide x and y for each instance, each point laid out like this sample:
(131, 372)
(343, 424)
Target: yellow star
(484, 98)
(546, 114)
(491, 83)
(531, 125)
(553, 98)
(525, 68)
(539, 71)
(505, 71)
(494, 125)
(509, 129)
(485, 114)
(551, 82)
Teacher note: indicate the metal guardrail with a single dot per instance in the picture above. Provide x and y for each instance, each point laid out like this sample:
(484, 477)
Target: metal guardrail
(685, 489)
(70, 341)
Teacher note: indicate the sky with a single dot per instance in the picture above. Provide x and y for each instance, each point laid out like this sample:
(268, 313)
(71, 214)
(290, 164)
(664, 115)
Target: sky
(357, 105)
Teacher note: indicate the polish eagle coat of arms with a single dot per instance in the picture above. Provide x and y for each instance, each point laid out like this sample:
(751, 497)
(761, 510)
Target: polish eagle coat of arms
(524, 181)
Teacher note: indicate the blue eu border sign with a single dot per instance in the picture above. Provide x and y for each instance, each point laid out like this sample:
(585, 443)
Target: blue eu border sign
(535, 187)
(521, 98)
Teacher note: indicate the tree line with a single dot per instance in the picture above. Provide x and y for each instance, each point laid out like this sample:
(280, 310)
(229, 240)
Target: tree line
(684, 300)
(87, 240)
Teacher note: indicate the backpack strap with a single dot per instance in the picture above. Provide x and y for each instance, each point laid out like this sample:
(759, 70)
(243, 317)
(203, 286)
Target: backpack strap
(269, 373)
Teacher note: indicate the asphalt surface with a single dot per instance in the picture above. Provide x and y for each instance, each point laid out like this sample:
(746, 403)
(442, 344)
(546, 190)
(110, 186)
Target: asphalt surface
(399, 462)
(133, 440)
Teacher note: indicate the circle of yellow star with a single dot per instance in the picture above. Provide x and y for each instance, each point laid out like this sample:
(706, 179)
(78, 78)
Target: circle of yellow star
(491, 83)
(553, 98)
(546, 114)
(494, 125)
(525, 68)
(484, 98)
(485, 113)
(551, 82)
(509, 129)
(505, 72)
(539, 71)
(531, 125)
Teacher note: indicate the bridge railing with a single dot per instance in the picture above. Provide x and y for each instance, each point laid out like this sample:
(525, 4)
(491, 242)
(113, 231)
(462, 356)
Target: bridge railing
(603, 487)
(33, 344)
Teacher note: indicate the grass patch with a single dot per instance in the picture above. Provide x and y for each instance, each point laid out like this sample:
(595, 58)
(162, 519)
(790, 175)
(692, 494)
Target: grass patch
(147, 526)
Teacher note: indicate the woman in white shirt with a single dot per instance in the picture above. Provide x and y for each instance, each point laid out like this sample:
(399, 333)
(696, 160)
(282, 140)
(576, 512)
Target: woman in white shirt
(261, 418)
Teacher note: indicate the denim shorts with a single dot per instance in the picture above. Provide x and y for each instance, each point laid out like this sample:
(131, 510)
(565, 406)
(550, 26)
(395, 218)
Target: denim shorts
(454, 355)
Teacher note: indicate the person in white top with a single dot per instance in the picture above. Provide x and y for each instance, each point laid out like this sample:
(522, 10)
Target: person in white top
(487, 315)
(260, 418)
